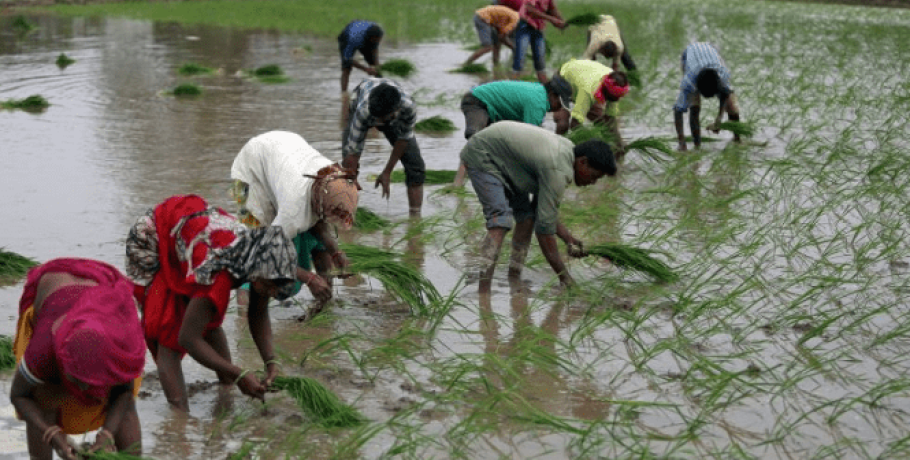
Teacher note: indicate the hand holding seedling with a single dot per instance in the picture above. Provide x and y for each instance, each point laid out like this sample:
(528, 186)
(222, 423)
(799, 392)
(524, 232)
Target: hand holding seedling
(576, 249)
(384, 179)
(251, 386)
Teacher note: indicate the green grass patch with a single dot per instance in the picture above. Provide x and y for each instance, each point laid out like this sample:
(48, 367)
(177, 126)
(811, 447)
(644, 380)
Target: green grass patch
(186, 90)
(634, 258)
(435, 124)
(369, 221)
(319, 403)
(14, 266)
(64, 61)
(398, 67)
(584, 19)
(33, 103)
(7, 358)
(472, 68)
(191, 68)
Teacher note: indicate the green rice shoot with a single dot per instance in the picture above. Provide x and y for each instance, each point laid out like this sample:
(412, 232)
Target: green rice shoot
(587, 132)
(33, 103)
(369, 221)
(433, 176)
(584, 19)
(187, 89)
(64, 61)
(191, 68)
(7, 358)
(398, 67)
(402, 281)
(14, 266)
(101, 455)
(319, 403)
(637, 259)
(435, 124)
(651, 146)
(21, 24)
(634, 77)
(738, 128)
(473, 67)
(270, 70)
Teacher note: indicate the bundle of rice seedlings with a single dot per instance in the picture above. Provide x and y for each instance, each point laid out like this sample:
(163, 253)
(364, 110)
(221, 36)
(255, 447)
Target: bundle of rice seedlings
(435, 124)
(367, 220)
(319, 403)
(403, 281)
(584, 19)
(270, 70)
(85, 454)
(187, 89)
(64, 61)
(22, 25)
(7, 358)
(634, 78)
(398, 67)
(33, 103)
(14, 266)
(588, 132)
(472, 68)
(433, 176)
(192, 68)
(650, 145)
(738, 128)
(635, 258)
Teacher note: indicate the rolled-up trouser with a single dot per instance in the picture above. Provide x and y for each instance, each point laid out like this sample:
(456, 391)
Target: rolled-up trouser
(415, 172)
(476, 115)
(501, 209)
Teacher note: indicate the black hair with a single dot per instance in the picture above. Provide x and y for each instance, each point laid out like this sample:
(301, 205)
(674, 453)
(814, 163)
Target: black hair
(599, 155)
(384, 99)
(374, 31)
(620, 78)
(708, 82)
(610, 48)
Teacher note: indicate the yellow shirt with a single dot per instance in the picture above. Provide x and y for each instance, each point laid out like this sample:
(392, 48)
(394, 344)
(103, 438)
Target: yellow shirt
(604, 31)
(585, 77)
(501, 18)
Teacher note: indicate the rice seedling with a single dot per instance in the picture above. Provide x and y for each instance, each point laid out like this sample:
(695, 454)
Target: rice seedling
(369, 221)
(319, 403)
(186, 90)
(433, 176)
(634, 258)
(650, 145)
(587, 132)
(634, 77)
(270, 70)
(14, 266)
(473, 67)
(100, 455)
(398, 67)
(33, 103)
(7, 358)
(403, 281)
(22, 25)
(738, 128)
(64, 61)
(584, 19)
(435, 124)
(191, 68)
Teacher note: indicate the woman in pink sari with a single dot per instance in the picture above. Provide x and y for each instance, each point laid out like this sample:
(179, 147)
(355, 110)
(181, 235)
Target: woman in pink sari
(80, 356)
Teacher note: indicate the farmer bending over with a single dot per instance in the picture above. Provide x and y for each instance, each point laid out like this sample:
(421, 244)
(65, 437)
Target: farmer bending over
(493, 24)
(511, 162)
(704, 74)
(363, 36)
(605, 39)
(597, 89)
(380, 103)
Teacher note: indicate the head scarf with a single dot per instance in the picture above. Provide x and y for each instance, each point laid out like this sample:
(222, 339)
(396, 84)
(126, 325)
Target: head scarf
(335, 196)
(99, 340)
(609, 86)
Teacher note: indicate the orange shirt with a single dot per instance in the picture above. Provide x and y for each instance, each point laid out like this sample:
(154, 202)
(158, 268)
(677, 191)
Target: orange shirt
(501, 18)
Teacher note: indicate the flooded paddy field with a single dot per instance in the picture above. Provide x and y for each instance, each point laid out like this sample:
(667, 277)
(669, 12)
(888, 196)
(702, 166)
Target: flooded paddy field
(786, 335)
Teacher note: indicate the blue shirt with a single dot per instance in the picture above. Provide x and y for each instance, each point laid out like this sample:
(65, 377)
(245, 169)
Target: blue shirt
(354, 37)
(697, 57)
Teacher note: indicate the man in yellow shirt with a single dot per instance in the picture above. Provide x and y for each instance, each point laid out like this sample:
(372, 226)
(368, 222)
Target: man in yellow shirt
(594, 85)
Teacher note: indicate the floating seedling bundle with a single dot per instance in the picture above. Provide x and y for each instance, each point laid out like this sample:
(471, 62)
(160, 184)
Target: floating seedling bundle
(471, 68)
(319, 403)
(187, 89)
(191, 68)
(584, 19)
(435, 124)
(7, 358)
(64, 61)
(398, 67)
(403, 281)
(634, 258)
(33, 103)
(14, 266)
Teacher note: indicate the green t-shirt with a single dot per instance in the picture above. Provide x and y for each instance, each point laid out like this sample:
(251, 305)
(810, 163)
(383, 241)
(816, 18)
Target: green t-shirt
(514, 100)
(528, 160)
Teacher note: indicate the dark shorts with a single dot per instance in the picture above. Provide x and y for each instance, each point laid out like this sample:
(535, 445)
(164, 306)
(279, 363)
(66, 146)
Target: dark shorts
(368, 52)
(476, 115)
(500, 208)
(415, 170)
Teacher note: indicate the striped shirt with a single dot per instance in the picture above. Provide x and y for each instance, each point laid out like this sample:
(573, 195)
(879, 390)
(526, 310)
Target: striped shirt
(402, 126)
(697, 57)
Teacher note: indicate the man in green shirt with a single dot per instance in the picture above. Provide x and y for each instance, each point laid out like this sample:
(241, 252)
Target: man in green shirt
(511, 100)
(510, 162)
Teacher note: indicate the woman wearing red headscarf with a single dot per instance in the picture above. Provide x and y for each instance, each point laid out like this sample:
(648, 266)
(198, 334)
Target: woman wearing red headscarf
(187, 256)
(80, 356)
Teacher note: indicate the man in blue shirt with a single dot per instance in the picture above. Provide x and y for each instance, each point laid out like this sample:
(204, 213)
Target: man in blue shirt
(363, 36)
(704, 74)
